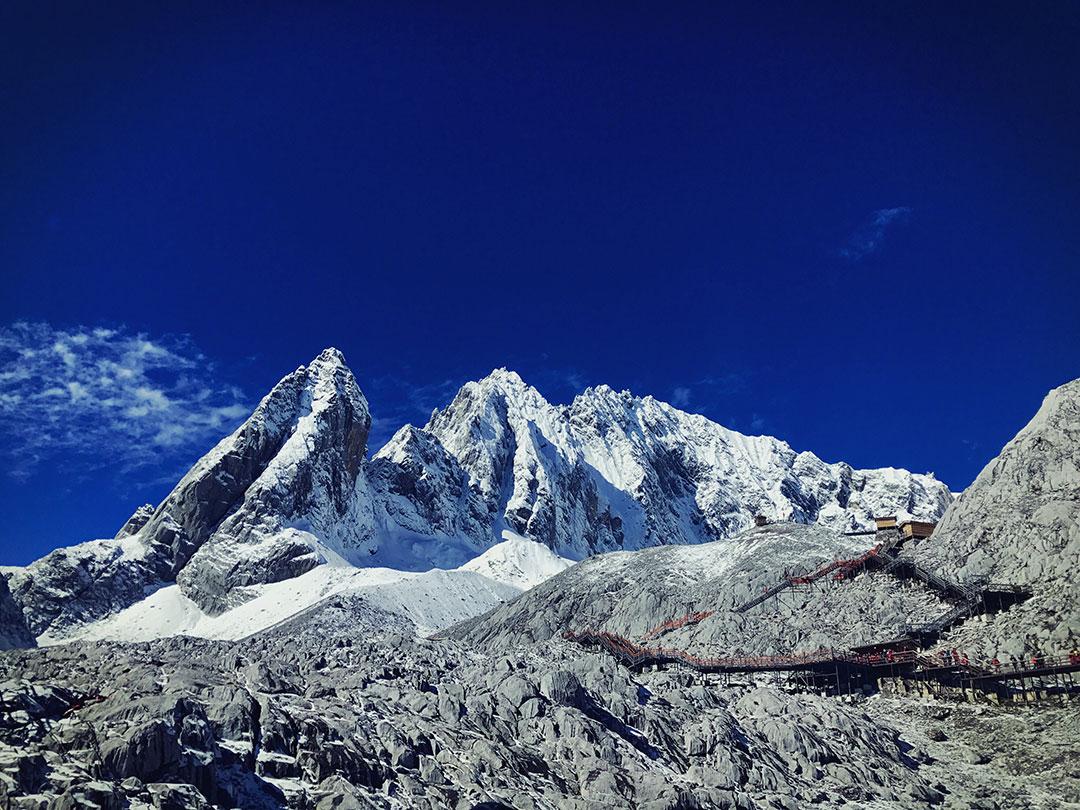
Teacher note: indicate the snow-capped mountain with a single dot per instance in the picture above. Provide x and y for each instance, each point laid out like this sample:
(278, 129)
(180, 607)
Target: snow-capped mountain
(613, 471)
(1017, 524)
(270, 501)
(292, 488)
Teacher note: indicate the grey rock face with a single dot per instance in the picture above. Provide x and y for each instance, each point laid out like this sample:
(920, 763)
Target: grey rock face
(423, 489)
(1020, 519)
(81, 583)
(13, 629)
(134, 524)
(632, 593)
(1019, 522)
(217, 484)
(312, 479)
(562, 688)
(319, 716)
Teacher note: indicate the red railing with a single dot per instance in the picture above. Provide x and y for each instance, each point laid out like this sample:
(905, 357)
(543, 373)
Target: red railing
(1004, 668)
(625, 648)
(632, 652)
(675, 624)
(842, 567)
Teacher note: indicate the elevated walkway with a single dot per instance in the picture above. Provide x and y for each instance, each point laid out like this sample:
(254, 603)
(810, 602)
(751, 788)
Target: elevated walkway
(968, 600)
(838, 671)
(637, 657)
(838, 568)
(831, 669)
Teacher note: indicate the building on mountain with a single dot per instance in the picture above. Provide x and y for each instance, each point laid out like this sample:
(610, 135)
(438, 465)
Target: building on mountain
(917, 529)
(886, 522)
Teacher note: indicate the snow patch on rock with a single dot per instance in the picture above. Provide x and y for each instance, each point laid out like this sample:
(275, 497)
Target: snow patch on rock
(518, 561)
(431, 601)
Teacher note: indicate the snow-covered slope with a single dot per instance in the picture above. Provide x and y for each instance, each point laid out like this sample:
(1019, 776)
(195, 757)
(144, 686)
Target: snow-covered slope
(292, 489)
(518, 561)
(428, 601)
(614, 471)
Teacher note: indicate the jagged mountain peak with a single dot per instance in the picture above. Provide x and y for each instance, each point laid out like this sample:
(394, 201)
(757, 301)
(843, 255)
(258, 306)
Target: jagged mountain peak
(253, 509)
(500, 386)
(504, 377)
(329, 375)
(614, 470)
(404, 436)
(604, 397)
(292, 488)
(331, 356)
(604, 391)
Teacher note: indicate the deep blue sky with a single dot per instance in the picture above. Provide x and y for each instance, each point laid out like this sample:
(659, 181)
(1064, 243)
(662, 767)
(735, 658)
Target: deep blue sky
(856, 229)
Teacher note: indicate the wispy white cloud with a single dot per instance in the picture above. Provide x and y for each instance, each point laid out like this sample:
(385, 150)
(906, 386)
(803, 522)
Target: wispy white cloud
(680, 396)
(870, 236)
(101, 396)
(705, 393)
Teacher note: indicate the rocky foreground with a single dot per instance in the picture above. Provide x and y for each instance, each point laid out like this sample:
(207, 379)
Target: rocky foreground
(323, 716)
(344, 706)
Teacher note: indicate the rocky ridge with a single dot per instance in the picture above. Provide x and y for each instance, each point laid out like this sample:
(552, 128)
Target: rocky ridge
(631, 593)
(13, 630)
(348, 708)
(1019, 523)
(292, 488)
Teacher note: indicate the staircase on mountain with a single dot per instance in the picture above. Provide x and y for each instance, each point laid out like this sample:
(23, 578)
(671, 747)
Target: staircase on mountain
(846, 567)
(978, 596)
